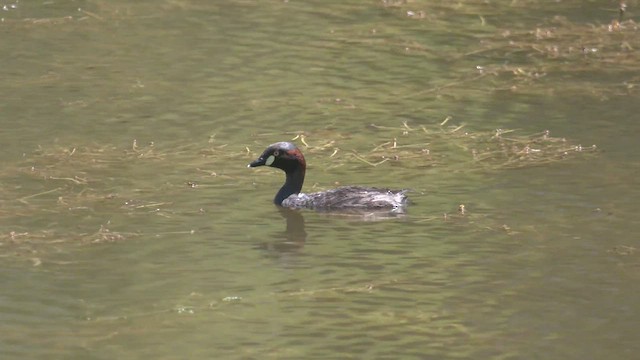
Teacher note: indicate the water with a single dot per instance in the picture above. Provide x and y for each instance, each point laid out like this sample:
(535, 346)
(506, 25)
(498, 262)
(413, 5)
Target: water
(131, 227)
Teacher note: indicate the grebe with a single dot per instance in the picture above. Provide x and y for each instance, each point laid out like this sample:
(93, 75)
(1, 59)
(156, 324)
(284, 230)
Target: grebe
(287, 157)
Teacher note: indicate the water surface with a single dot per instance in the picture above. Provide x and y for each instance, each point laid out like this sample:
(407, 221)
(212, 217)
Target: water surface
(131, 227)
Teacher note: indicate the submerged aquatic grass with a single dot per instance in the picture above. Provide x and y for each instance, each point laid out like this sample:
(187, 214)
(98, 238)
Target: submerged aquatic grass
(417, 146)
(491, 56)
(93, 178)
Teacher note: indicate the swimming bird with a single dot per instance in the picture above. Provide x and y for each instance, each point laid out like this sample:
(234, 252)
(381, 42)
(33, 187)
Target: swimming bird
(287, 157)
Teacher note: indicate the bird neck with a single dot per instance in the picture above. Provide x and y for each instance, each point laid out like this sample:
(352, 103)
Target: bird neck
(292, 185)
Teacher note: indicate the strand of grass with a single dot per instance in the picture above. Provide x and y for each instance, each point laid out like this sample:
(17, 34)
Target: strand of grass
(411, 145)
(93, 15)
(106, 235)
(365, 288)
(457, 128)
(325, 145)
(345, 289)
(24, 199)
(484, 49)
(77, 180)
(119, 318)
(519, 163)
(487, 156)
(148, 154)
(443, 123)
(295, 132)
(386, 127)
(302, 139)
(445, 86)
(58, 20)
(381, 146)
(369, 162)
(406, 126)
(185, 232)
(499, 132)
(430, 218)
(156, 204)
(208, 172)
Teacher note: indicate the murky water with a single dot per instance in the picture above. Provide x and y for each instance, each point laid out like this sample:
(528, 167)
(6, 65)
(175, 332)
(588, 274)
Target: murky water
(131, 227)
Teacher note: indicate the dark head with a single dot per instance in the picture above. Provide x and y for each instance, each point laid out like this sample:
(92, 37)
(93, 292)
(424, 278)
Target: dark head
(282, 155)
(285, 156)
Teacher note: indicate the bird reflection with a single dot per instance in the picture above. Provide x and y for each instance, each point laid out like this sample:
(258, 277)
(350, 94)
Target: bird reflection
(293, 238)
(295, 235)
(295, 232)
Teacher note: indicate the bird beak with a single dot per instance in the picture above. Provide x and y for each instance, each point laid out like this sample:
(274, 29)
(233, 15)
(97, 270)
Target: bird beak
(259, 162)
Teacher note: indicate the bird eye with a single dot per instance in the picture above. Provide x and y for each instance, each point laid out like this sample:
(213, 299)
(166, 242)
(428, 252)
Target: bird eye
(276, 153)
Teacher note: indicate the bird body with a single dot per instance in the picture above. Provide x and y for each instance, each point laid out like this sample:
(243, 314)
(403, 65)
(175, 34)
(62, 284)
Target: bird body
(287, 157)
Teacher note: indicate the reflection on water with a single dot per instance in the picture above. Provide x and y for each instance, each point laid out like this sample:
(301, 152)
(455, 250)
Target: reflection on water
(294, 236)
(295, 232)
(108, 111)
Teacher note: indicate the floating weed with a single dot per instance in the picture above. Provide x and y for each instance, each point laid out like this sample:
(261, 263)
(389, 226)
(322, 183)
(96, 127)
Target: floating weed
(450, 145)
(38, 246)
(90, 180)
(519, 57)
(623, 250)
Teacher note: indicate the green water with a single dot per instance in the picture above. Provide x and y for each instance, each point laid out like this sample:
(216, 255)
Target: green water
(131, 228)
